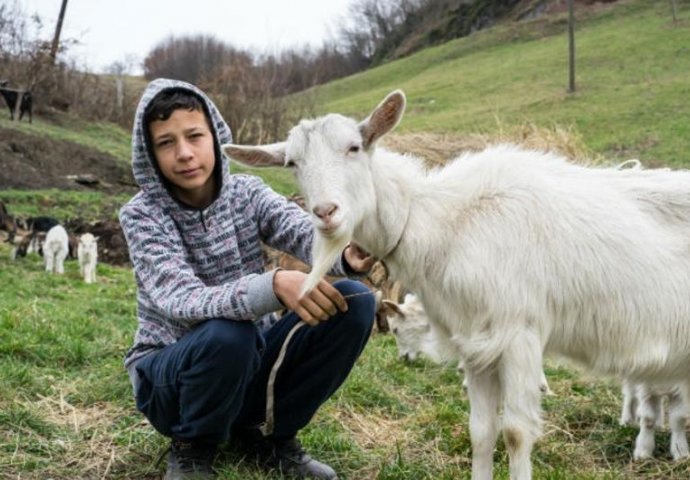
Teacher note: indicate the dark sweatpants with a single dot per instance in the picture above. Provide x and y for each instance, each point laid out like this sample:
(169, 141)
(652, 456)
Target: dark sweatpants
(214, 378)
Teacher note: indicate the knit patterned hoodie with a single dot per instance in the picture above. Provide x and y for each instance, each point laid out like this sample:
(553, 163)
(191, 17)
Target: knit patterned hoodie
(195, 264)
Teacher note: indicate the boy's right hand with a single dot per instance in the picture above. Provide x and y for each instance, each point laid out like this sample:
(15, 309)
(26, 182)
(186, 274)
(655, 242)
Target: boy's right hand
(317, 305)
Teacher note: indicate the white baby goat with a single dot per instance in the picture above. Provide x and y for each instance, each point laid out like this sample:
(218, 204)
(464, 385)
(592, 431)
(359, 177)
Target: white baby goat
(55, 249)
(643, 405)
(411, 328)
(87, 254)
(514, 254)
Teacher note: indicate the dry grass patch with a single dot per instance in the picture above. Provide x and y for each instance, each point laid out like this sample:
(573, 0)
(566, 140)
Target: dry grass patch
(438, 148)
(78, 441)
(397, 440)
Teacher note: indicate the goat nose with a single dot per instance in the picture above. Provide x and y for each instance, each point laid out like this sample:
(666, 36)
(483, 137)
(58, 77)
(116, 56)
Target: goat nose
(325, 211)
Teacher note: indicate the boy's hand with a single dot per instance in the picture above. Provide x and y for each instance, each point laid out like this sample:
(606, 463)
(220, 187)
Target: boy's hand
(360, 260)
(317, 305)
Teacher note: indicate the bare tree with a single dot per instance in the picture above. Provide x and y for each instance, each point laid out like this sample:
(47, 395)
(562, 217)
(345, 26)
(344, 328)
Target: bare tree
(119, 70)
(189, 58)
(23, 56)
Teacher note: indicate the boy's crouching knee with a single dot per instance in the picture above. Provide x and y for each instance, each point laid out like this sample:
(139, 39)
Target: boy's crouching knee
(361, 304)
(230, 340)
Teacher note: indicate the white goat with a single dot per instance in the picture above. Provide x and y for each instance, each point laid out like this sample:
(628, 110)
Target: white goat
(87, 254)
(643, 405)
(409, 324)
(55, 249)
(513, 253)
(411, 328)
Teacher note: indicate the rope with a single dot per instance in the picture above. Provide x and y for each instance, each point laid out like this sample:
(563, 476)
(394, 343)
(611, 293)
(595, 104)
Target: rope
(266, 428)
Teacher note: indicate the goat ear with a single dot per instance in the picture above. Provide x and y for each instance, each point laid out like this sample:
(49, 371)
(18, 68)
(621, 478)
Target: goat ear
(383, 119)
(395, 307)
(272, 155)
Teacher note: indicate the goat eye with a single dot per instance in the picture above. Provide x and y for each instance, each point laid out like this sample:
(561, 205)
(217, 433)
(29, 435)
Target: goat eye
(290, 164)
(353, 149)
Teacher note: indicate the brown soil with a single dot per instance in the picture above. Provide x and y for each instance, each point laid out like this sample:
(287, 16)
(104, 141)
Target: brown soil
(29, 162)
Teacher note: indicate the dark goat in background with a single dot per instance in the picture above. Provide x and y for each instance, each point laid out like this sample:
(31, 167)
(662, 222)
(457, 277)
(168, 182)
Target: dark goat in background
(37, 227)
(7, 223)
(10, 95)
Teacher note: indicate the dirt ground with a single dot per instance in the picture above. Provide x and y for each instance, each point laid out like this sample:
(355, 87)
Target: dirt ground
(29, 162)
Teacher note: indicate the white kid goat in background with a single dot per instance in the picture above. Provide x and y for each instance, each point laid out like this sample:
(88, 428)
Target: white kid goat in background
(409, 324)
(87, 254)
(411, 328)
(55, 249)
(643, 405)
(514, 253)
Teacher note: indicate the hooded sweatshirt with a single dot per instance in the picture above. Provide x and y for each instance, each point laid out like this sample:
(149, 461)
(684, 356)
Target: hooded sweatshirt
(196, 264)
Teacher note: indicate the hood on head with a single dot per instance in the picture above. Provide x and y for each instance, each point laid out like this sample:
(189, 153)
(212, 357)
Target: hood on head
(144, 165)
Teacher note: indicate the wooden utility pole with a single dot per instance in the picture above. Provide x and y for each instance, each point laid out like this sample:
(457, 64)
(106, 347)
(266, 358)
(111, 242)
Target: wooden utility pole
(571, 47)
(58, 28)
(674, 11)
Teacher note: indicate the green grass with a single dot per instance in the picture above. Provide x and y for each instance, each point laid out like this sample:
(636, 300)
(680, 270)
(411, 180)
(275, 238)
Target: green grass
(66, 404)
(103, 136)
(63, 204)
(281, 180)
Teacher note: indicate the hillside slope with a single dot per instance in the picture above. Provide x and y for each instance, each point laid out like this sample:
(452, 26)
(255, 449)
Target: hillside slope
(631, 78)
(631, 99)
(33, 162)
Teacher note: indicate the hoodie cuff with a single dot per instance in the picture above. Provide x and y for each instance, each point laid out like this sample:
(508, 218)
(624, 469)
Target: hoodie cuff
(262, 298)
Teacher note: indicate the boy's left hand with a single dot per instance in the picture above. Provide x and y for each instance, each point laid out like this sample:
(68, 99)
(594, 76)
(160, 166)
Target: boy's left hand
(359, 260)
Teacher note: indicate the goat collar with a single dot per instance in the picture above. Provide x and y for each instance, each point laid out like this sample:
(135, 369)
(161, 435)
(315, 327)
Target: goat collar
(399, 233)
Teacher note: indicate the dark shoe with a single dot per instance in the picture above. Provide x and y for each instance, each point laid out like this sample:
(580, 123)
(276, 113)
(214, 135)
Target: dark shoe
(291, 460)
(187, 461)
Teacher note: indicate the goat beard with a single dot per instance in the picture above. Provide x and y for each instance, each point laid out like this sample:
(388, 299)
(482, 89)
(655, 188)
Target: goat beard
(326, 251)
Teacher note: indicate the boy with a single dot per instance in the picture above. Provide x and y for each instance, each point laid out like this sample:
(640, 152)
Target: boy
(210, 359)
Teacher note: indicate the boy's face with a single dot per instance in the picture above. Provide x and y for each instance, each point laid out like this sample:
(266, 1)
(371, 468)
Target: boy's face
(184, 148)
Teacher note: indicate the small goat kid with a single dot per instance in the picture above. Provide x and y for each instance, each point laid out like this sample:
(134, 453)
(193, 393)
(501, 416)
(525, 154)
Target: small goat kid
(643, 406)
(55, 249)
(514, 254)
(87, 253)
(411, 327)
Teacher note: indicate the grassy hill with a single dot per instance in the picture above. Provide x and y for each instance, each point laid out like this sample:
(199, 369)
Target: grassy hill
(631, 98)
(632, 81)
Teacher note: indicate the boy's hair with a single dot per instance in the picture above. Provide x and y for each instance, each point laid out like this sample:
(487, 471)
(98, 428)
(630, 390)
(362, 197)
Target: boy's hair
(166, 102)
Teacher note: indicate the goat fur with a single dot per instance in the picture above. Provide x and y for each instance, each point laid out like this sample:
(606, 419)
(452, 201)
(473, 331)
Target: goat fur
(55, 249)
(514, 254)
